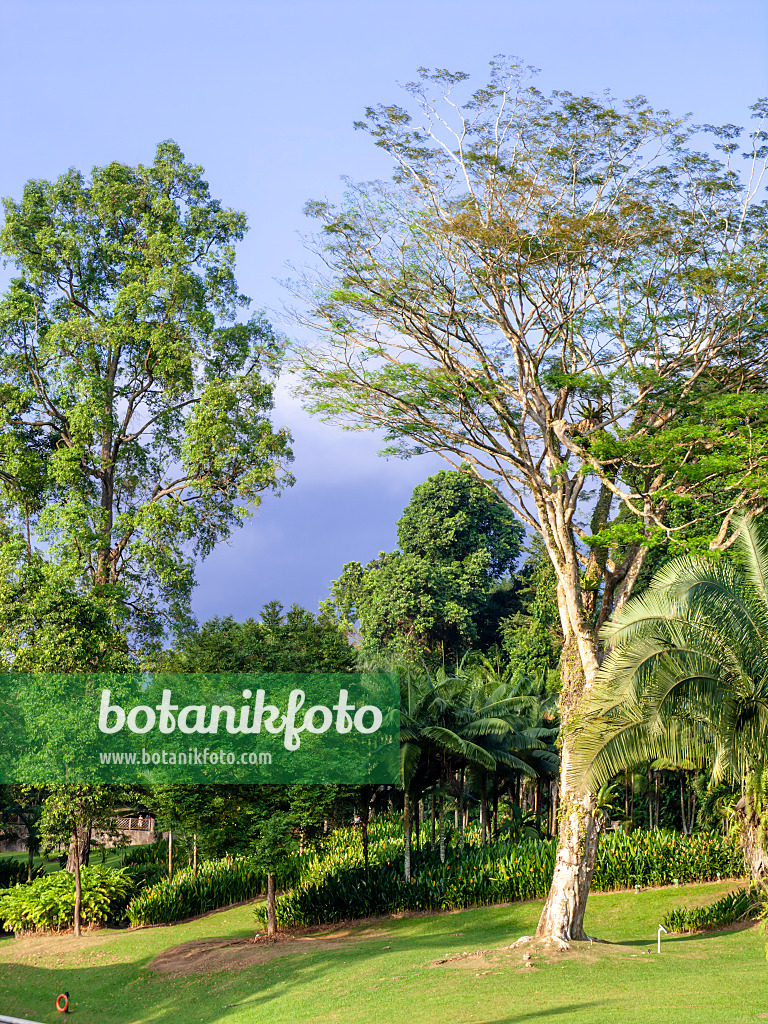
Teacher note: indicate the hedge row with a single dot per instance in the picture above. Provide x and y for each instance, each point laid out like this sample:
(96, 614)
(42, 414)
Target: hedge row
(498, 873)
(215, 884)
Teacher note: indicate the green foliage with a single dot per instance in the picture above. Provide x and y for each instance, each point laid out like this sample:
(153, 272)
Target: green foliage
(736, 906)
(452, 515)
(438, 595)
(334, 885)
(46, 625)
(294, 641)
(532, 638)
(686, 679)
(134, 422)
(215, 884)
(14, 872)
(67, 809)
(48, 902)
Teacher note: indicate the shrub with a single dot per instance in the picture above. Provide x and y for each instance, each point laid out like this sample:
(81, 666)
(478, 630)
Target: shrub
(48, 902)
(334, 885)
(216, 883)
(736, 906)
(14, 872)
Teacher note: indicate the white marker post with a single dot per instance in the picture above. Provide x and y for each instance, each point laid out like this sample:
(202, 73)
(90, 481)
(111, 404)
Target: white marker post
(658, 937)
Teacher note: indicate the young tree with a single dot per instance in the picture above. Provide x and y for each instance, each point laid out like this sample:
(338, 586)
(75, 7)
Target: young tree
(61, 821)
(561, 292)
(134, 399)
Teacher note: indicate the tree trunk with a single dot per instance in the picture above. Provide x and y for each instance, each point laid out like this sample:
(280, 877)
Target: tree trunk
(407, 834)
(562, 919)
(442, 831)
(194, 852)
(563, 916)
(432, 821)
(464, 812)
(78, 884)
(495, 812)
(271, 919)
(753, 843)
(483, 812)
(80, 851)
(632, 802)
(170, 856)
(682, 805)
(364, 831)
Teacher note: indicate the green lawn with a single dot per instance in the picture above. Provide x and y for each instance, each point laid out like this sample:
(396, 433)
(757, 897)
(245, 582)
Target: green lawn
(384, 972)
(112, 859)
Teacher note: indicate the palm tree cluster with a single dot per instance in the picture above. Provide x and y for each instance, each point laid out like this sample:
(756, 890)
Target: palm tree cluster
(472, 737)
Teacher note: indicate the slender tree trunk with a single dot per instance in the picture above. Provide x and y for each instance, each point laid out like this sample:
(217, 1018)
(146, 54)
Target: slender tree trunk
(650, 800)
(407, 834)
(483, 811)
(170, 855)
(656, 797)
(432, 821)
(78, 884)
(30, 858)
(82, 849)
(194, 852)
(364, 831)
(461, 805)
(682, 804)
(626, 793)
(271, 919)
(442, 830)
(495, 815)
(632, 802)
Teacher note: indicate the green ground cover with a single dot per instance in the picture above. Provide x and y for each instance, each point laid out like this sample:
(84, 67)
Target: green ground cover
(112, 859)
(384, 971)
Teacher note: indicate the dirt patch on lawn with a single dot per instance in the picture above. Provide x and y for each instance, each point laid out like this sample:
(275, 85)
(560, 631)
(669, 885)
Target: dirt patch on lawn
(206, 955)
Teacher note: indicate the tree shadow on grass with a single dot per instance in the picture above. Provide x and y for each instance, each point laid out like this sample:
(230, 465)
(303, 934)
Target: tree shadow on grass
(675, 938)
(553, 1011)
(128, 992)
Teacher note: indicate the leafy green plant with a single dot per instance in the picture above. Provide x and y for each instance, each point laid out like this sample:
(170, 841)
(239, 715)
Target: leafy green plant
(215, 884)
(736, 906)
(334, 885)
(14, 872)
(48, 903)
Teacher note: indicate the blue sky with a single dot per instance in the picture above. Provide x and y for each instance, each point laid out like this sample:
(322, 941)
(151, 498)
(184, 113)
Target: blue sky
(264, 96)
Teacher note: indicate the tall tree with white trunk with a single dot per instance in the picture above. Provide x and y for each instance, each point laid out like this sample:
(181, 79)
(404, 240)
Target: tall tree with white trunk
(563, 293)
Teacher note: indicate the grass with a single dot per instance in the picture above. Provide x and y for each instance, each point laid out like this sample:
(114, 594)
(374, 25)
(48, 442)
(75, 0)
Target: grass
(112, 860)
(382, 972)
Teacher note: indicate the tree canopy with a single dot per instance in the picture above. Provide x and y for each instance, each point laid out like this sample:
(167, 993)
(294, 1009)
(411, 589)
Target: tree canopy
(568, 294)
(134, 396)
(436, 596)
